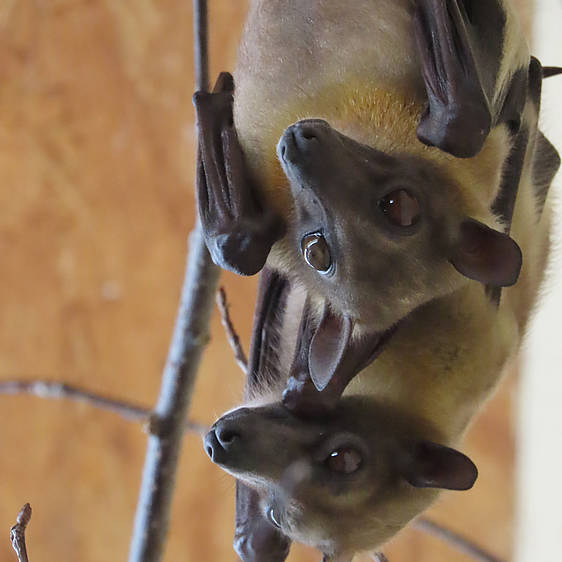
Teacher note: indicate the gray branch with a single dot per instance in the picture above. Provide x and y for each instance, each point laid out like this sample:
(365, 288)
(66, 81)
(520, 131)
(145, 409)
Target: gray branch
(61, 391)
(17, 533)
(190, 337)
(231, 333)
(459, 543)
(191, 334)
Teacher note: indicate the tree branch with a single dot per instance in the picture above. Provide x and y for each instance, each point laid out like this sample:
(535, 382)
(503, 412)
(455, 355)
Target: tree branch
(17, 533)
(62, 391)
(460, 543)
(231, 334)
(190, 337)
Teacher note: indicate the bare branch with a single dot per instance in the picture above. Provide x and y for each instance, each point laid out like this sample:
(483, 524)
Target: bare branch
(62, 391)
(17, 533)
(231, 334)
(459, 543)
(190, 337)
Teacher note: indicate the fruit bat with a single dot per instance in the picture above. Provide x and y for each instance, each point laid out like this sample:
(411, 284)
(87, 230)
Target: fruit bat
(373, 152)
(345, 478)
(384, 158)
(345, 468)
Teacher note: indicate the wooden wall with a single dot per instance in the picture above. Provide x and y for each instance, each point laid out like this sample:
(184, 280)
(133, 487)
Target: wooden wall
(96, 174)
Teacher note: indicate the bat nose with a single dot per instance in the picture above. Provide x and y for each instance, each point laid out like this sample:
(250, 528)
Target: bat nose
(301, 139)
(221, 440)
(226, 435)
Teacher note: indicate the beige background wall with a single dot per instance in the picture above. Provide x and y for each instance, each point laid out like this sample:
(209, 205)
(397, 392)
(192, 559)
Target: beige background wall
(539, 525)
(96, 170)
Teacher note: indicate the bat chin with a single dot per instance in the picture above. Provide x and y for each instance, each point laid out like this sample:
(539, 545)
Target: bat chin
(372, 343)
(380, 341)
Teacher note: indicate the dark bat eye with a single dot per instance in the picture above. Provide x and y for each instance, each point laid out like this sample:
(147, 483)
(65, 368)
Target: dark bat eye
(316, 252)
(345, 460)
(272, 516)
(400, 208)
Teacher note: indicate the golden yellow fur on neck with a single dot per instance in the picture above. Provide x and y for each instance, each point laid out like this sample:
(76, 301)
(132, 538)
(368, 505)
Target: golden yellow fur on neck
(386, 120)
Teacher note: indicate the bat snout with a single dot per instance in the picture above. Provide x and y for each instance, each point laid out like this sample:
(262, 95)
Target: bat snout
(301, 140)
(224, 440)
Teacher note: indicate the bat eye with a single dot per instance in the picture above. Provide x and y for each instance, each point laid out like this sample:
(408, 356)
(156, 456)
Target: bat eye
(273, 519)
(400, 207)
(345, 460)
(316, 252)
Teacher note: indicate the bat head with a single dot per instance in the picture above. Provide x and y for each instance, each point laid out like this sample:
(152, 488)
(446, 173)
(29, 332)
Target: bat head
(343, 483)
(379, 234)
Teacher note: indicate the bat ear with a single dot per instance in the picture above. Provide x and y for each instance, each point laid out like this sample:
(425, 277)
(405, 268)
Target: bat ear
(486, 255)
(437, 466)
(335, 357)
(328, 347)
(326, 359)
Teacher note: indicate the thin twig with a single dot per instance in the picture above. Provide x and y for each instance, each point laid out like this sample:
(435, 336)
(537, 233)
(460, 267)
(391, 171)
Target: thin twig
(17, 533)
(460, 543)
(191, 334)
(62, 391)
(201, 54)
(231, 334)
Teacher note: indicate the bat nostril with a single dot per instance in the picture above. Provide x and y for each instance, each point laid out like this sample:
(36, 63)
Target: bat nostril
(308, 134)
(227, 436)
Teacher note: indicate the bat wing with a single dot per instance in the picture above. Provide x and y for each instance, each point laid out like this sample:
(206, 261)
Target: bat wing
(264, 362)
(529, 147)
(255, 538)
(238, 230)
(461, 46)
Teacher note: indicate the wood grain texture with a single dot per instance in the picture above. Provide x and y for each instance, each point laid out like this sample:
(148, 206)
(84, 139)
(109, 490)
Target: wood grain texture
(96, 175)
